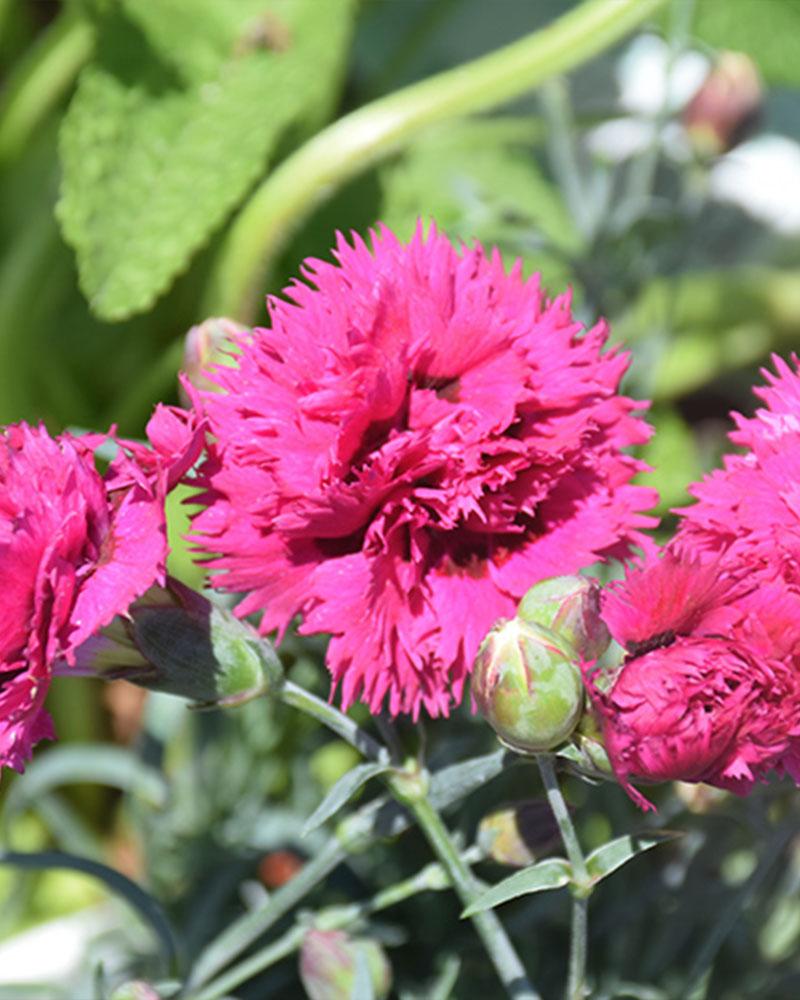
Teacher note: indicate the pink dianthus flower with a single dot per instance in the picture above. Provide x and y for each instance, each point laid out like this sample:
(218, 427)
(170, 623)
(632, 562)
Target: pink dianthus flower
(710, 687)
(748, 512)
(76, 548)
(417, 438)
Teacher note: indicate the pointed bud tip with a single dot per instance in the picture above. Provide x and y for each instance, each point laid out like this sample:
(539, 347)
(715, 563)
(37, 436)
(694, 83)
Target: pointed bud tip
(570, 607)
(331, 963)
(528, 686)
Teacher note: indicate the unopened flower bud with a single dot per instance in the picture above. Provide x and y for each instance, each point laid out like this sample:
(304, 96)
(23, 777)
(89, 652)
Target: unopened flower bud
(212, 342)
(727, 105)
(175, 640)
(330, 961)
(136, 989)
(586, 751)
(528, 686)
(570, 607)
(518, 835)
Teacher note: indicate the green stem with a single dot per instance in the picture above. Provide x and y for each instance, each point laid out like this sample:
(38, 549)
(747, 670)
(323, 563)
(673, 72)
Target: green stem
(491, 932)
(41, 79)
(375, 821)
(361, 139)
(430, 879)
(243, 932)
(296, 696)
(576, 984)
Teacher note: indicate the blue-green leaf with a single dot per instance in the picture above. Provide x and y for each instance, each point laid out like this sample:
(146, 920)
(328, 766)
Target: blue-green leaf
(552, 873)
(607, 858)
(341, 793)
(91, 763)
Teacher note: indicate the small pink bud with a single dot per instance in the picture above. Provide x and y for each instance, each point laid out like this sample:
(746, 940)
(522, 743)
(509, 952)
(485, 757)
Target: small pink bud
(727, 105)
(570, 607)
(329, 965)
(136, 989)
(213, 342)
(528, 686)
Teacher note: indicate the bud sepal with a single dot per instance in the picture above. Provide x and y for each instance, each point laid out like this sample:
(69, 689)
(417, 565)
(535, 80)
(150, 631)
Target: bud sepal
(176, 641)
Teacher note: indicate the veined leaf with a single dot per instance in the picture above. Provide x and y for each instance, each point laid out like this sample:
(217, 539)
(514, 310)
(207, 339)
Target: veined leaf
(616, 853)
(341, 793)
(552, 873)
(172, 123)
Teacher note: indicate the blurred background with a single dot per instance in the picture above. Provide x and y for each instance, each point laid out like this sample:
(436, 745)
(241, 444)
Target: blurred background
(659, 179)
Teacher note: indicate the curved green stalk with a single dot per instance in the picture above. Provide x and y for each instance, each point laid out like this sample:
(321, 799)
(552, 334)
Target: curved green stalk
(341, 724)
(41, 79)
(360, 139)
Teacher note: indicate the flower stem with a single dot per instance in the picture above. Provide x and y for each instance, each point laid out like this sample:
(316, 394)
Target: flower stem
(370, 823)
(576, 984)
(429, 879)
(243, 932)
(296, 696)
(491, 932)
(362, 138)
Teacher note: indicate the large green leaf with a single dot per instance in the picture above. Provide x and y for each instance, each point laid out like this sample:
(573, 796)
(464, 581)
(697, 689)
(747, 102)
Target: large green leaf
(172, 123)
(767, 30)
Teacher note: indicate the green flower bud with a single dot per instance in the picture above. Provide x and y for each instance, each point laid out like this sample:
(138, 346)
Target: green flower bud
(518, 835)
(570, 607)
(330, 962)
(528, 686)
(175, 640)
(586, 751)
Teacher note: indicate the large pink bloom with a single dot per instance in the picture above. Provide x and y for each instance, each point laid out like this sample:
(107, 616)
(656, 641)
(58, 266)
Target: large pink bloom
(416, 440)
(710, 687)
(76, 548)
(749, 511)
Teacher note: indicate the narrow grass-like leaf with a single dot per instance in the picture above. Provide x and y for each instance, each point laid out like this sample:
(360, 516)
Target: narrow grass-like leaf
(91, 763)
(144, 904)
(606, 859)
(450, 784)
(341, 793)
(552, 873)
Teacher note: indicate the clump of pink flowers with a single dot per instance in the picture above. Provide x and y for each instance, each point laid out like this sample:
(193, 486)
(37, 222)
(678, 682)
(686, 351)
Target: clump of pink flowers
(710, 686)
(418, 437)
(76, 548)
